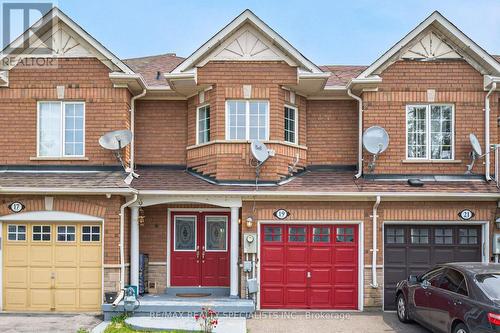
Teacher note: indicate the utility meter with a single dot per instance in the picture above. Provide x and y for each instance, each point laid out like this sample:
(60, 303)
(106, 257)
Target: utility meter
(496, 244)
(249, 242)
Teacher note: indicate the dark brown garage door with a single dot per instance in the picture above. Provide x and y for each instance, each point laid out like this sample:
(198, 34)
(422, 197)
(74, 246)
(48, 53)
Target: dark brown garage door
(412, 249)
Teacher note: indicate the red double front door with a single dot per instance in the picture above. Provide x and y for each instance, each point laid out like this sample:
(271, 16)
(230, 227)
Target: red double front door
(199, 246)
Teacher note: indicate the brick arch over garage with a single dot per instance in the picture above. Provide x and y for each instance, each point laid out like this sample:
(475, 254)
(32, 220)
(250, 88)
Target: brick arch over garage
(80, 206)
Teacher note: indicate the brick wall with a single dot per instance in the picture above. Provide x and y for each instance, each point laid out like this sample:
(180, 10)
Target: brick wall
(85, 79)
(406, 82)
(332, 132)
(161, 132)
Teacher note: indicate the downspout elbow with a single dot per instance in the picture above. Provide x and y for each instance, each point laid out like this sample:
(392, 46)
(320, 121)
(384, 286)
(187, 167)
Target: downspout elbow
(374, 283)
(360, 132)
(132, 128)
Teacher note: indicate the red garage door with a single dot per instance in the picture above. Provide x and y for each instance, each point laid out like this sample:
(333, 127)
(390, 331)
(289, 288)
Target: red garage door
(309, 266)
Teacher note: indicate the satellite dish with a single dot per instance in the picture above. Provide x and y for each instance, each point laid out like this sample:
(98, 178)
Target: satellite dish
(116, 140)
(476, 147)
(375, 141)
(259, 151)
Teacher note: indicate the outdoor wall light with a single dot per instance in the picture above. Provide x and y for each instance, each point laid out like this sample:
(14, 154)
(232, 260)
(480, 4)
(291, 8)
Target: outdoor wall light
(142, 217)
(249, 222)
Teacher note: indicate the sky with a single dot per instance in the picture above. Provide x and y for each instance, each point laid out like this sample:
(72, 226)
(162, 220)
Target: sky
(328, 32)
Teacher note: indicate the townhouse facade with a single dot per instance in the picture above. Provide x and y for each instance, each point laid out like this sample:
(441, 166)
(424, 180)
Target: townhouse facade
(315, 226)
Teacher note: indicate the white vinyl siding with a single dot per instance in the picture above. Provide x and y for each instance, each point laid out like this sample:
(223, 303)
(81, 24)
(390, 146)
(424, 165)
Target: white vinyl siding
(203, 124)
(247, 120)
(430, 132)
(61, 129)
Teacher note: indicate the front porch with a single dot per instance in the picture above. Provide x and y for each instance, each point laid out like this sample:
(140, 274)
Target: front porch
(171, 305)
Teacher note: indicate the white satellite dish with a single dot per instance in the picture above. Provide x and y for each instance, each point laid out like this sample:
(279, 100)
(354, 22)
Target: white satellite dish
(476, 146)
(259, 151)
(116, 140)
(375, 141)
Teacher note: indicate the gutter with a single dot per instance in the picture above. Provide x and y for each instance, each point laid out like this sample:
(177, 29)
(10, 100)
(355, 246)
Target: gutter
(374, 283)
(132, 128)
(69, 190)
(487, 130)
(122, 238)
(360, 133)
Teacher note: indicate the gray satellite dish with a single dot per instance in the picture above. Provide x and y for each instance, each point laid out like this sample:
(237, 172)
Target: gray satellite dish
(476, 152)
(116, 141)
(259, 151)
(375, 141)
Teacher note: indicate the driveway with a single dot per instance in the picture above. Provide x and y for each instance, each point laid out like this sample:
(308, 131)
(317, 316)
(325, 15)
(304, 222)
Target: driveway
(329, 322)
(38, 323)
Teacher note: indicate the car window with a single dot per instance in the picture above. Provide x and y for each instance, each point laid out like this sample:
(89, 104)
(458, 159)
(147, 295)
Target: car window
(433, 276)
(490, 284)
(454, 281)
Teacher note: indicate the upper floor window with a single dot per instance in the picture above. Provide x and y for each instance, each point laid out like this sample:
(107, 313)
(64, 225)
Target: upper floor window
(61, 129)
(291, 124)
(203, 124)
(430, 132)
(247, 120)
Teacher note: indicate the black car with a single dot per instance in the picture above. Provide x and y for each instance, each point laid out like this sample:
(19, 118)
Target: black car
(452, 298)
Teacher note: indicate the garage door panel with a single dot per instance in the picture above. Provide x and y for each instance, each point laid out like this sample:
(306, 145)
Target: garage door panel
(40, 277)
(65, 256)
(17, 257)
(467, 254)
(41, 299)
(89, 298)
(313, 270)
(90, 277)
(16, 277)
(66, 278)
(442, 255)
(41, 255)
(419, 256)
(16, 298)
(296, 254)
(90, 256)
(395, 256)
(66, 299)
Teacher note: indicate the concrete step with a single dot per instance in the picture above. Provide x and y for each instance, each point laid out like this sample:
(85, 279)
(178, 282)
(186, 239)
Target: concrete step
(225, 325)
(213, 291)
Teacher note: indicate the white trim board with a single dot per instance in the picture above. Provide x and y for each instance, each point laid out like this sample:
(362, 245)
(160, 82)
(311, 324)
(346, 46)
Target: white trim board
(50, 216)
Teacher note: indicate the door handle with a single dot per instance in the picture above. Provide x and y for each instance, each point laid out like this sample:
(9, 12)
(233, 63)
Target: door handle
(198, 254)
(203, 254)
(308, 275)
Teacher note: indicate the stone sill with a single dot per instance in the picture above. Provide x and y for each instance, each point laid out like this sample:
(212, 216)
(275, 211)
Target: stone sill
(40, 158)
(431, 161)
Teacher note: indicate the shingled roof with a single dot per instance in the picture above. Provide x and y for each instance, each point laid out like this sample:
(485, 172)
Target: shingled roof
(152, 67)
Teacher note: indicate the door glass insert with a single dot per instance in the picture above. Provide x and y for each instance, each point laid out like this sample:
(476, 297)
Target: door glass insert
(345, 235)
(297, 234)
(216, 233)
(272, 234)
(419, 236)
(185, 233)
(41, 233)
(467, 236)
(395, 236)
(443, 236)
(321, 234)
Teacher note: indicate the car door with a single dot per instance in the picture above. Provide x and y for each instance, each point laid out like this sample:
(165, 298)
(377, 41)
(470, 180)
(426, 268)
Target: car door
(421, 293)
(446, 299)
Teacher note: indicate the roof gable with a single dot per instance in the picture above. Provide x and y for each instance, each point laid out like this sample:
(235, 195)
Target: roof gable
(247, 37)
(64, 38)
(433, 39)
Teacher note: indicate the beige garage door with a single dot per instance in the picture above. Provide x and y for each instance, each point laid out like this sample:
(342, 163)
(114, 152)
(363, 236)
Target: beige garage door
(52, 267)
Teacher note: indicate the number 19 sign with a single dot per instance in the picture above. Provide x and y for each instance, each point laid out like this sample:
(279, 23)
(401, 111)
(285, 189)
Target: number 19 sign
(281, 214)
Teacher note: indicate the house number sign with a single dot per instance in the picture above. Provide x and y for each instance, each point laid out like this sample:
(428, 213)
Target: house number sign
(16, 207)
(281, 214)
(466, 214)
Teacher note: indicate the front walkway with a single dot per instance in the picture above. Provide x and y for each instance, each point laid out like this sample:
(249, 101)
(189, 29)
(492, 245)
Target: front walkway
(329, 322)
(38, 323)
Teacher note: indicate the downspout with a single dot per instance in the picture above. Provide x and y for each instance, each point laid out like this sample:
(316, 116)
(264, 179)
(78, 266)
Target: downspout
(132, 128)
(487, 130)
(374, 283)
(360, 132)
(122, 240)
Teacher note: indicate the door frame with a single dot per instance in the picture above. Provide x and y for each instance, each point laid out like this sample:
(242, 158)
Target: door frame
(169, 234)
(361, 265)
(54, 217)
(485, 235)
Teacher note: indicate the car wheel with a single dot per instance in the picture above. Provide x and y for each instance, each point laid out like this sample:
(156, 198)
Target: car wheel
(402, 309)
(461, 328)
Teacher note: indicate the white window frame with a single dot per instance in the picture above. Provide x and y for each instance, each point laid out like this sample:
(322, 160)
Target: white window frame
(66, 233)
(17, 233)
(91, 233)
(62, 153)
(198, 123)
(296, 125)
(41, 233)
(247, 118)
(428, 132)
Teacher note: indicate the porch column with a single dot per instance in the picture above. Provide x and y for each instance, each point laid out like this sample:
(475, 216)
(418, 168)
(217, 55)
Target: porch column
(134, 246)
(233, 262)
